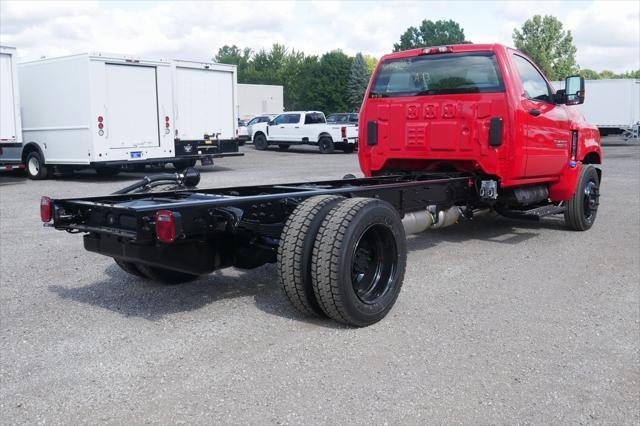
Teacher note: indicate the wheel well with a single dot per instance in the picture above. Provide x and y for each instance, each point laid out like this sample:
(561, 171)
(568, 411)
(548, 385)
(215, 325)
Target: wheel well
(324, 135)
(591, 158)
(29, 148)
(258, 133)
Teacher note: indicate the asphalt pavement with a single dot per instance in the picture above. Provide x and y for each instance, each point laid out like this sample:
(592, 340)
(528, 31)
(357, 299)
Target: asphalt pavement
(498, 322)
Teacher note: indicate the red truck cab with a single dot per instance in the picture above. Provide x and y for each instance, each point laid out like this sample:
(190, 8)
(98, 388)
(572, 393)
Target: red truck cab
(477, 108)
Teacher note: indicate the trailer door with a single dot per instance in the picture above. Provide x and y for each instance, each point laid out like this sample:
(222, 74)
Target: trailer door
(131, 118)
(7, 106)
(204, 103)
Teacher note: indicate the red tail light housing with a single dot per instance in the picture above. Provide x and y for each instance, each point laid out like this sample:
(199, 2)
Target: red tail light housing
(46, 209)
(168, 226)
(343, 130)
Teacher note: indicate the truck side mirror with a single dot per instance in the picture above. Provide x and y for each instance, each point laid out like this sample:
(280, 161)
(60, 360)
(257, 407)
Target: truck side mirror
(270, 123)
(574, 90)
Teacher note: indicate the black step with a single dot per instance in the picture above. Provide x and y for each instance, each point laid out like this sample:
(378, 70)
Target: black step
(533, 214)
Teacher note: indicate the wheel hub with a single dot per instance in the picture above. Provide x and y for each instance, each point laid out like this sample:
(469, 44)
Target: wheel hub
(374, 263)
(590, 198)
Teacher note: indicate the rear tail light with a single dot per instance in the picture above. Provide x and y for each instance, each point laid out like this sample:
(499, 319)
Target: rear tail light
(100, 125)
(343, 130)
(574, 145)
(46, 209)
(436, 50)
(168, 226)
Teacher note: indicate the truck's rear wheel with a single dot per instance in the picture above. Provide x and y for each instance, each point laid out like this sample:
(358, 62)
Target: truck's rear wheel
(130, 268)
(260, 142)
(325, 145)
(36, 169)
(296, 247)
(165, 276)
(358, 261)
(582, 208)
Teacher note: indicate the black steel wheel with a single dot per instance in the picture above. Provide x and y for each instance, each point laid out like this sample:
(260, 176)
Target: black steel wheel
(165, 276)
(325, 145)
(582, 208)
(295, 250)
(260, 142)
(358, 261)
(130, 268)
(35, 166)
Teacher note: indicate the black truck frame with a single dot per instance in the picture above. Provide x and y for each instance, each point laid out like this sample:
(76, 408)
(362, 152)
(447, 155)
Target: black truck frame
(339, 245)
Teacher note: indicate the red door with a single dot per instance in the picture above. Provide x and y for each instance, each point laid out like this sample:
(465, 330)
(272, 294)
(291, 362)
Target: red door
(546, 125)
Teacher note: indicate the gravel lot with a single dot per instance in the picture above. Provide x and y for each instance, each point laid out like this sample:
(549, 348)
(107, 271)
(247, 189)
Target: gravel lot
(499, 321)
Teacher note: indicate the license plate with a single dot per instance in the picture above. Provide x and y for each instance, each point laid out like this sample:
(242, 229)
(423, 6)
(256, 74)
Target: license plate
(136, 154)
(206, 161)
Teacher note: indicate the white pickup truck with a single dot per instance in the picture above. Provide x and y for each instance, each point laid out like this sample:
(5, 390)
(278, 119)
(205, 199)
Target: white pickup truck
(305, 128)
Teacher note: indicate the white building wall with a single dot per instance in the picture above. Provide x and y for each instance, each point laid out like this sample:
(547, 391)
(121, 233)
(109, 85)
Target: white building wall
(256, 99)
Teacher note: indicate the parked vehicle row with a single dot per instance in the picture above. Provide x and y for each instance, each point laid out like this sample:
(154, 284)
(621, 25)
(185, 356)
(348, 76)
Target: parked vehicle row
(107, 112)
(304, 128)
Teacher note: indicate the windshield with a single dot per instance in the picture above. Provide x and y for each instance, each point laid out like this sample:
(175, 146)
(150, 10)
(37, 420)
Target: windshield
(449, 73)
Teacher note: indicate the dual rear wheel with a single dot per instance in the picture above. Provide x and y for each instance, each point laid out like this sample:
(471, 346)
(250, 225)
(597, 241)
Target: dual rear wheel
(343, 258)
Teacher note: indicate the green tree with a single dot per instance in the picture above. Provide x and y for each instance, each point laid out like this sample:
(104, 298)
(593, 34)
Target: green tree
(358, 81)
(548, 45)
(235, 56)
(431, 34)
(589, 74)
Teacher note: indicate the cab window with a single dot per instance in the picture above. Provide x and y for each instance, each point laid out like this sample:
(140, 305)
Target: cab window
(281, 119)
(314, 118)
(534, 84)
(292, 118)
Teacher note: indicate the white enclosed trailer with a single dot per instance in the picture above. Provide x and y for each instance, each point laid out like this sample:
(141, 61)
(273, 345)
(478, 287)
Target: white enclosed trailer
(10, 121)
(204, 99)
(610, 104)
(96, 110)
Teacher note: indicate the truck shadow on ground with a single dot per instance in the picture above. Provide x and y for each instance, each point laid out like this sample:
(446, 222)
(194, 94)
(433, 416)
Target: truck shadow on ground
(491, 228)
(303, 150)
(131, 296)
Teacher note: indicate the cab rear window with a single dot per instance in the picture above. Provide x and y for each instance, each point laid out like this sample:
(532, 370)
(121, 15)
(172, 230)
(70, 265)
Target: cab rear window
(447, 73)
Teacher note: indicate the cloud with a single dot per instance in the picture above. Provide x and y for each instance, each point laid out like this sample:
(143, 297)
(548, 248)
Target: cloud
(606, 34)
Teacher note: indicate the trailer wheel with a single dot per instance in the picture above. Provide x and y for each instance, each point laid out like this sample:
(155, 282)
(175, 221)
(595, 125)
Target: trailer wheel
(260, 142)
(284, 146)
(36, 168)
(325, 144)
(582, 208)
(296, 247)
(358, 261)
(165, 276)
(130, 268)
(107, 171)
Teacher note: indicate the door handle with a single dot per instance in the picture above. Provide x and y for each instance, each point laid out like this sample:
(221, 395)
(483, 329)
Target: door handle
(534, 112)
(297, 127)
(282, 127)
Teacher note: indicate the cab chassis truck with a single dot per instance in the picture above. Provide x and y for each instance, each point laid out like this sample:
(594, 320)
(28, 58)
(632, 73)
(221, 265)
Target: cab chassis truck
(340, 245)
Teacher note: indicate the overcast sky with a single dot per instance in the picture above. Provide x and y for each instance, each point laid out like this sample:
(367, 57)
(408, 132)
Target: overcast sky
(607, 34)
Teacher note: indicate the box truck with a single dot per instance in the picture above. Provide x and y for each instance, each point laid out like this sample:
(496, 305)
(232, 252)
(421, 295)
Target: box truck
(613, 105)
(95, 110)
(10, 122)
(204, 98)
